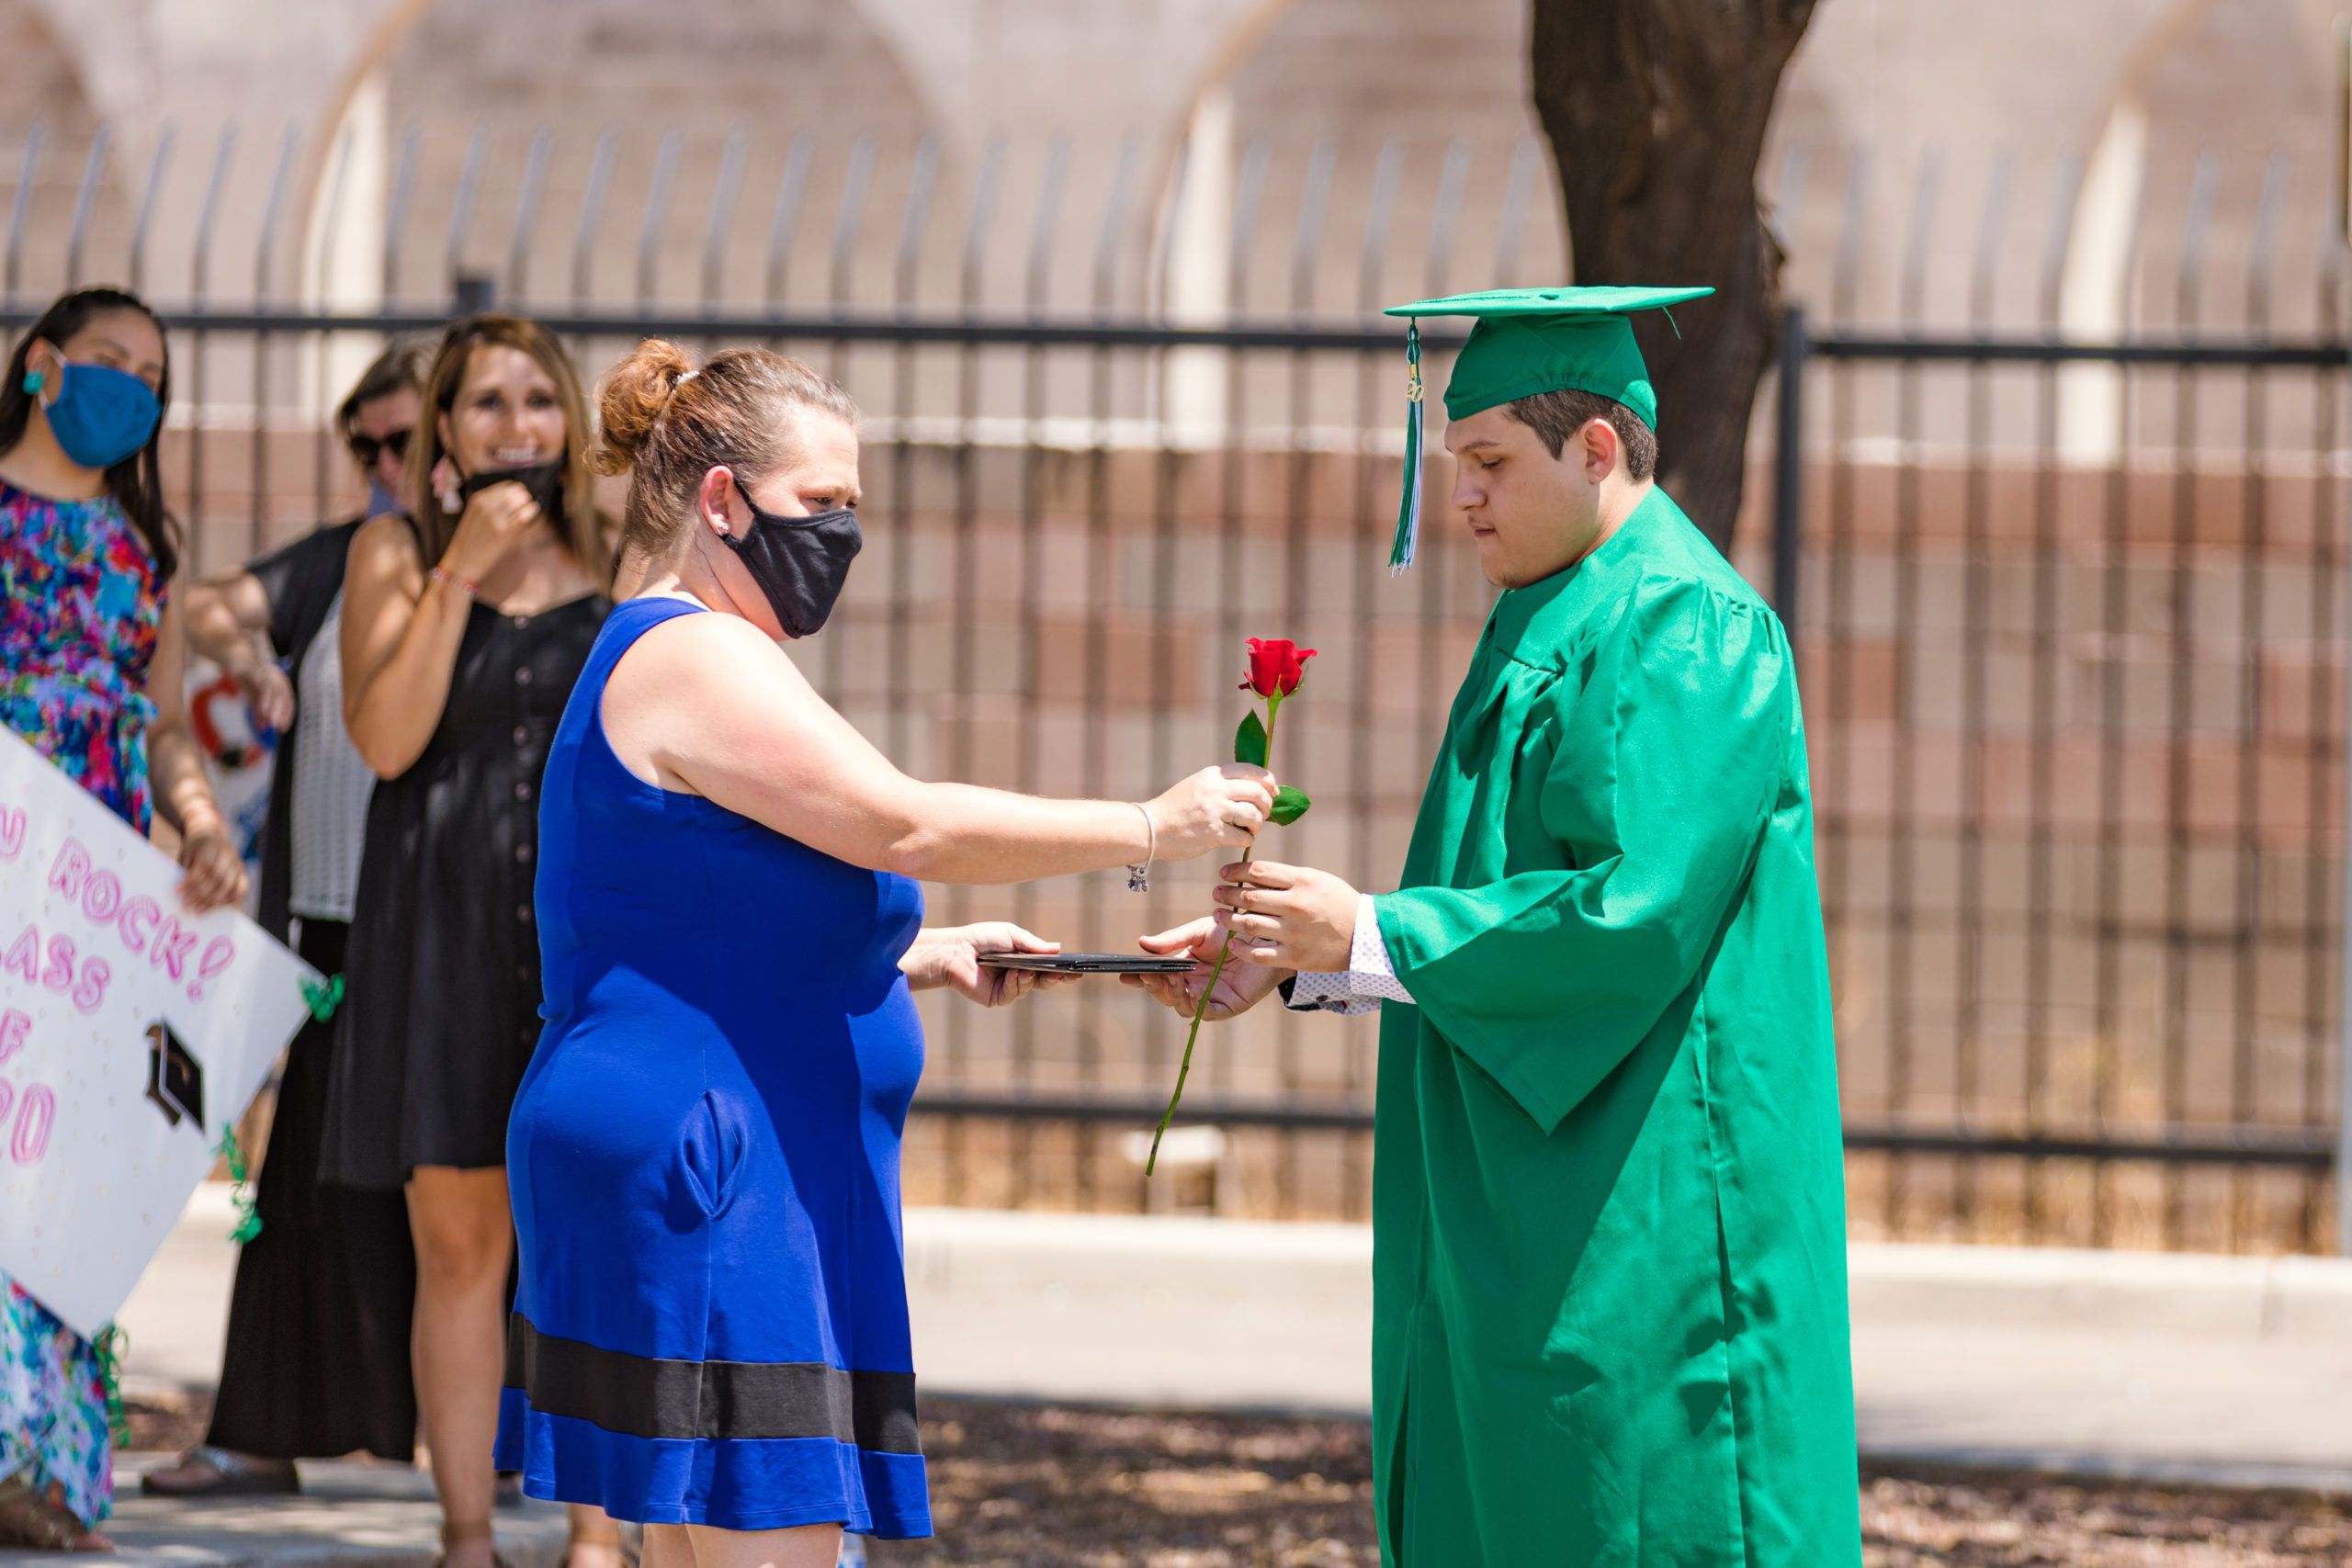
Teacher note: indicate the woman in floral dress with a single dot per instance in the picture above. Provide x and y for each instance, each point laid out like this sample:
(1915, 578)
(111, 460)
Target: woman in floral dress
(91, 660)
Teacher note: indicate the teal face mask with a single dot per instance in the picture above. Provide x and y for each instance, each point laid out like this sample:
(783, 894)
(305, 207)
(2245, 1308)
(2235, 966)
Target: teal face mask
(99, 415)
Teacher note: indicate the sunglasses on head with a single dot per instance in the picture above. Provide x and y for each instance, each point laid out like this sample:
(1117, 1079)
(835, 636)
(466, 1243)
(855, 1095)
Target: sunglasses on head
(367, 449)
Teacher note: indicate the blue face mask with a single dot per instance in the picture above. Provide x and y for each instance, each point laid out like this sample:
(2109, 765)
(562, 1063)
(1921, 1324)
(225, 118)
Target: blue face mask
(99, 415)
(382, 502)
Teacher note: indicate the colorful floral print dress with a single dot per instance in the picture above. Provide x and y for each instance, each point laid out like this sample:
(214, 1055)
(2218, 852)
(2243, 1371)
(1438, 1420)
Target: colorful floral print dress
(80, 612)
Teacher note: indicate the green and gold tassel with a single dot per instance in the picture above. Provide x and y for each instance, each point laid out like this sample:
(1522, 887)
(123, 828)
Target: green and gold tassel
(109, 1348)
(241, 1192)
(1408, 508)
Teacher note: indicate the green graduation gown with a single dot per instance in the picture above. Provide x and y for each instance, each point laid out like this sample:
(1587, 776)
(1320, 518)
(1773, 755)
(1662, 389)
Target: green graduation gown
(1610, 1314)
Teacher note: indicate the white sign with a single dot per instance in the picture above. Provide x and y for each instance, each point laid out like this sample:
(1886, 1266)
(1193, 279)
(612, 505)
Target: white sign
(132, 1036)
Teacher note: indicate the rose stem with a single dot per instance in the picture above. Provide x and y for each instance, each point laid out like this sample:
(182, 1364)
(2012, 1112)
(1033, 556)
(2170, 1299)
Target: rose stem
(1185, 1069)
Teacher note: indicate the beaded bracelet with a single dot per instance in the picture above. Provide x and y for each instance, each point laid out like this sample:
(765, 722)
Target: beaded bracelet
(447, 579)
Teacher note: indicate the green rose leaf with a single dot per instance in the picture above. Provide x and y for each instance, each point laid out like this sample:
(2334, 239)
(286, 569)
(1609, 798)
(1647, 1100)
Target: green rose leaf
(1249, 742)
(1290, 805)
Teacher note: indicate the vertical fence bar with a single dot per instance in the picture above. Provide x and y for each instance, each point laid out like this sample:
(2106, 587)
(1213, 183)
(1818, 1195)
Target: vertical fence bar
(905, 517)
(1436, 566)
(2253, 573)
(2180, 718)
(20, 207)
(656, 215)
(319, 286)
(1903, 816)
(2321, 718)
(849, 223)
(913, 218)
(1306, 249)
(1374, 375)
(2042, 724)
(1445, 219)
(1841, 647)
(964, 636)
(1788, 474)
(1102, 550)
(526, 212)
(1976, 569)
(1248, 204)
(1510, 232)
(1157, 555)
(1154, 291)
(722, 216)
(142, 225)
(2115, 618)
(1036, 284)
(396, 211)
(2332, 275)
(199, 294)
(784, 219)
(592, 211)
(849, 220)
(264, 254)
(462, 210)
(84, 200)
(1167, 475)
(1788, 193)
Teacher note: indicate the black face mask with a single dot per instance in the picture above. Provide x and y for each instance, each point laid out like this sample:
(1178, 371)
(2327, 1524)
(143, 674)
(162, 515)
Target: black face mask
(799, 563)
(544, 481)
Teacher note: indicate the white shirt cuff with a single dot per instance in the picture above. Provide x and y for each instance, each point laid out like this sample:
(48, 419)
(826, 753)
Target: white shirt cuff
(1369, 979)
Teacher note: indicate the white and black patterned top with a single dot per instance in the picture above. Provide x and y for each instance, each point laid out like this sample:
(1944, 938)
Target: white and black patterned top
(331, 787)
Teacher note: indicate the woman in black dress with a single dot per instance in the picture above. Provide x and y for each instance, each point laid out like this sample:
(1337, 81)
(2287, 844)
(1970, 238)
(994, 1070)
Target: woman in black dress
(316, 1362)
(463, 631)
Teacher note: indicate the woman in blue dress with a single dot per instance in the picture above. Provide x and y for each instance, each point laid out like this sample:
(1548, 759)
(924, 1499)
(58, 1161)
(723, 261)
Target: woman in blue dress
(710, 1328)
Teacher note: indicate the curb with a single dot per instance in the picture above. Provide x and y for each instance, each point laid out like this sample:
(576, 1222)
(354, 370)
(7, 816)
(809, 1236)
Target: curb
(2293, 1300)
(2274, 1300)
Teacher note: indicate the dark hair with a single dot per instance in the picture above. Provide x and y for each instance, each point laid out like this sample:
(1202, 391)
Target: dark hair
(402, 367)
(584, 526)
(136, 482)
(666, 425)
(1555, 416)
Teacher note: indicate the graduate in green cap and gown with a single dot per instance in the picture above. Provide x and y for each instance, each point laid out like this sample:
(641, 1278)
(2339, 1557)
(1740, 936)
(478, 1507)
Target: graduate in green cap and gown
(1609, 1312)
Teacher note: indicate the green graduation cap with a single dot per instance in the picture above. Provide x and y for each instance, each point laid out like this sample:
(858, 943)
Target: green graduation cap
(1528, 341)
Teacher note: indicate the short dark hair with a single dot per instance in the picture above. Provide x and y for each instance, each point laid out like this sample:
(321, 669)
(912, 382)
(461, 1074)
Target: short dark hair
(402, 367)
(1555, 416)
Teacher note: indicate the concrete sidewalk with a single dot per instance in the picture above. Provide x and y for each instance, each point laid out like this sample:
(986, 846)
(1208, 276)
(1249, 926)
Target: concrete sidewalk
(2235, 1371)
(349, 1515)
(2193, 1368)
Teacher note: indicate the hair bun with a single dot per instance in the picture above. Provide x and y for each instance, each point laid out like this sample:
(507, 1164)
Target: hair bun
(630, 402)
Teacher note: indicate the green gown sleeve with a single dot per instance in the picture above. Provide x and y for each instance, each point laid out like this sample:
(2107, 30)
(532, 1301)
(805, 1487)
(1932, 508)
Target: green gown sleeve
(1665, 767)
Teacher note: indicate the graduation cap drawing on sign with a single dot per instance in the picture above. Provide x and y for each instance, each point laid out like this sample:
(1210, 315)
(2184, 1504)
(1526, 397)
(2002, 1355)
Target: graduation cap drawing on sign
(175, 1078)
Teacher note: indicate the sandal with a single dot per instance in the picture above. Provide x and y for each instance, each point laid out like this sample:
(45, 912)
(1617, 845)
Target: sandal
(233, 1475)
(30, 1519)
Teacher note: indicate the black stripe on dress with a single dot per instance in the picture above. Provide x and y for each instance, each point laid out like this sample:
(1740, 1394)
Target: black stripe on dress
(654, 1396)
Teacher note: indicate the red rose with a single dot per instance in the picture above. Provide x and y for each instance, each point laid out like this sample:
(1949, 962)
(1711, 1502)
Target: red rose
(1276, 666)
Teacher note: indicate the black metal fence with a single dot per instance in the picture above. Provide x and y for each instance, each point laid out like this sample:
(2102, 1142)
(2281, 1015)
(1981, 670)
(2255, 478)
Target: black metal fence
(2067, 608)
(2072, 612)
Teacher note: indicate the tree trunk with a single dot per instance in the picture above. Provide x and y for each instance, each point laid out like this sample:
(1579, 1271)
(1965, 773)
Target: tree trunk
(1657, 110)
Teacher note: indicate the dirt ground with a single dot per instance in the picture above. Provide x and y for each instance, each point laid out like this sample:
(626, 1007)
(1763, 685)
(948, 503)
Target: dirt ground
(1051, 1487)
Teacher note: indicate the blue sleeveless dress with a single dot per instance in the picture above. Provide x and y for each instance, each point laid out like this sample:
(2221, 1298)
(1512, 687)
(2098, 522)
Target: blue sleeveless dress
(710, 1323)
